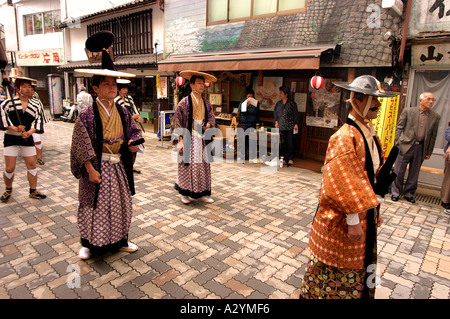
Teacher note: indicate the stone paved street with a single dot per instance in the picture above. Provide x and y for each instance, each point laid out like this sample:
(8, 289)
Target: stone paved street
(250, 243)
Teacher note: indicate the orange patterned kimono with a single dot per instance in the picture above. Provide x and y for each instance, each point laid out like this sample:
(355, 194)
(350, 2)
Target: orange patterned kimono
(339, 266)
(346, 189)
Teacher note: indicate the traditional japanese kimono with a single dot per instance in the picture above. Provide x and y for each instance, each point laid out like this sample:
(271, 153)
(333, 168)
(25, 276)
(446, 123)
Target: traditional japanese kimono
(104, 212)
(194, 176)
(338, 265)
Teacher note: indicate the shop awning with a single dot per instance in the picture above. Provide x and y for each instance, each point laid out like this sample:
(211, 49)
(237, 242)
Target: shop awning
(265, 59)
(126, 60)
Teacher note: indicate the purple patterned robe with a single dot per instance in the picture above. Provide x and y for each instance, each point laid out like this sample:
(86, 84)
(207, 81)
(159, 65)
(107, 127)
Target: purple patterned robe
(104, 212)
(193, 179)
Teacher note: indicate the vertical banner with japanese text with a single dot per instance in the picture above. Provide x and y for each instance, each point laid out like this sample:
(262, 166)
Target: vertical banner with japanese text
(386, 121)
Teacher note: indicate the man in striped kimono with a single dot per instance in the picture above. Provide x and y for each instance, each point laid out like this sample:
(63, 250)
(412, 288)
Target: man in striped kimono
(20, 117)
(125, 100)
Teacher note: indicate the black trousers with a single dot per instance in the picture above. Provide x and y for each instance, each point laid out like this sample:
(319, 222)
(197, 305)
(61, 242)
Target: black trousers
(287, 145)
(247, 154)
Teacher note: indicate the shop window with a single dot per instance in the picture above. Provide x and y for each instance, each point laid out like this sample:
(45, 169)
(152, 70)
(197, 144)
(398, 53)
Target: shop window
(132, 33)
(223, 11)
(264, 7)
(42, 22)
(219, 96)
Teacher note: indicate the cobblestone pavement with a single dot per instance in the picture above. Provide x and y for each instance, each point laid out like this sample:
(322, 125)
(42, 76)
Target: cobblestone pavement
(250, 243)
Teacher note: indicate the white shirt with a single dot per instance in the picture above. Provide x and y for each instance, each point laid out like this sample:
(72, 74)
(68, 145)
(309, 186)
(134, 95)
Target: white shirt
(84, 100)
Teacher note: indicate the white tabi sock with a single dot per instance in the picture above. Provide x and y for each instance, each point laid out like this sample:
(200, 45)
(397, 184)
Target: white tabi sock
(9, 175)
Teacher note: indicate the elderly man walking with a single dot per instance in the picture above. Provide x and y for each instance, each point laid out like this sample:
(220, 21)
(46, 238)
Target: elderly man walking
(415, 135)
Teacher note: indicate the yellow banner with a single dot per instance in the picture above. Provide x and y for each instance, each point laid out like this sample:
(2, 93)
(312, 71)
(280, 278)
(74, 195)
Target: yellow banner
(386, 121)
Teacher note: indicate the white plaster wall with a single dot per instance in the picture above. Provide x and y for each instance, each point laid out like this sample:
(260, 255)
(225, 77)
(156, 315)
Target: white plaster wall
(78, 8)
(426, 22)
(38, 41)
(194, 10)
(76, 35)
(8, 21)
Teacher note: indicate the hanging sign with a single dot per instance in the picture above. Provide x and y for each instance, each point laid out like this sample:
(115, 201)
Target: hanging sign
(162, 88)
(386, 121)
(431, 55)
(40, 58)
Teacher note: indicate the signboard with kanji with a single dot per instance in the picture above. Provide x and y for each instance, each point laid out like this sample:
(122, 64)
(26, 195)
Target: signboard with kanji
(431, 55)
(40, 58)
(386, 121)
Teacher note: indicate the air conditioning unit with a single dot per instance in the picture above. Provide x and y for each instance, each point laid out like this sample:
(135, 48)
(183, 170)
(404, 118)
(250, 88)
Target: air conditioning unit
(395, 7)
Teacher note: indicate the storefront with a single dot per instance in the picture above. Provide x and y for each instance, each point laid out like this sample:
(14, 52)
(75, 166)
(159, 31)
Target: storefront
(265, 71)
(145, 88)
(430, 72)
(37, 65)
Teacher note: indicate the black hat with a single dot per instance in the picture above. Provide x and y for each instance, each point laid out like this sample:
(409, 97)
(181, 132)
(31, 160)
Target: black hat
(99, 42)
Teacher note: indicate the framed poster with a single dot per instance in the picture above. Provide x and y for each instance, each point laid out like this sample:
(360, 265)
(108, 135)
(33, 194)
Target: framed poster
(269, 93)
(326, 100)
(300, 99)
(161, 92)
(215, 99)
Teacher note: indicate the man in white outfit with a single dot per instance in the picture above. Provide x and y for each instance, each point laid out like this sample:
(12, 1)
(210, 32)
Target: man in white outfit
(84, 99)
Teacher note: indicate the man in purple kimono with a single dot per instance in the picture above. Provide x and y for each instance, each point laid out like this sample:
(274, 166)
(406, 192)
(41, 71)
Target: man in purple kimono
(194, 114)
(104, 145)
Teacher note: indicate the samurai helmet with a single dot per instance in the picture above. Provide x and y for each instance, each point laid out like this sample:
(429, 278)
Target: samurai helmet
(368, 85)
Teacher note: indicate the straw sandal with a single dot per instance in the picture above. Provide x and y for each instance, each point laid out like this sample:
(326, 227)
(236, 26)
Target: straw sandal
(36, 194)
(6, 195)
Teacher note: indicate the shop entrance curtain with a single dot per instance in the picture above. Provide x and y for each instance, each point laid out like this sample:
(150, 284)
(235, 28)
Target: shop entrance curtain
(438, 83)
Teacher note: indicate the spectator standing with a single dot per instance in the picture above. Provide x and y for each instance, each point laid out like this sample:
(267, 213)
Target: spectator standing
(286, 120)
(248, 112)
(84, 99)
(415, 135)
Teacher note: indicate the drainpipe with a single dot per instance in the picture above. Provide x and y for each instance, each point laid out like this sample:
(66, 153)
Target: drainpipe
(17, 28)
(405, 32)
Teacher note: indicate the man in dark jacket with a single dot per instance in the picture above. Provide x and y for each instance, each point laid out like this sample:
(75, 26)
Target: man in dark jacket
(248, 112)
(415, 135)
(286, 119)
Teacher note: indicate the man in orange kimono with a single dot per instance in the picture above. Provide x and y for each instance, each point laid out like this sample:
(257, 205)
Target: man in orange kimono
(343, 234)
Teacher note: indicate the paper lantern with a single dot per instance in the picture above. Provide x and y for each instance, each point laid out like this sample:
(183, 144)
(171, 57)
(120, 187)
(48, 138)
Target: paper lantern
(179, 80)
(207, 84)
(317, 82)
